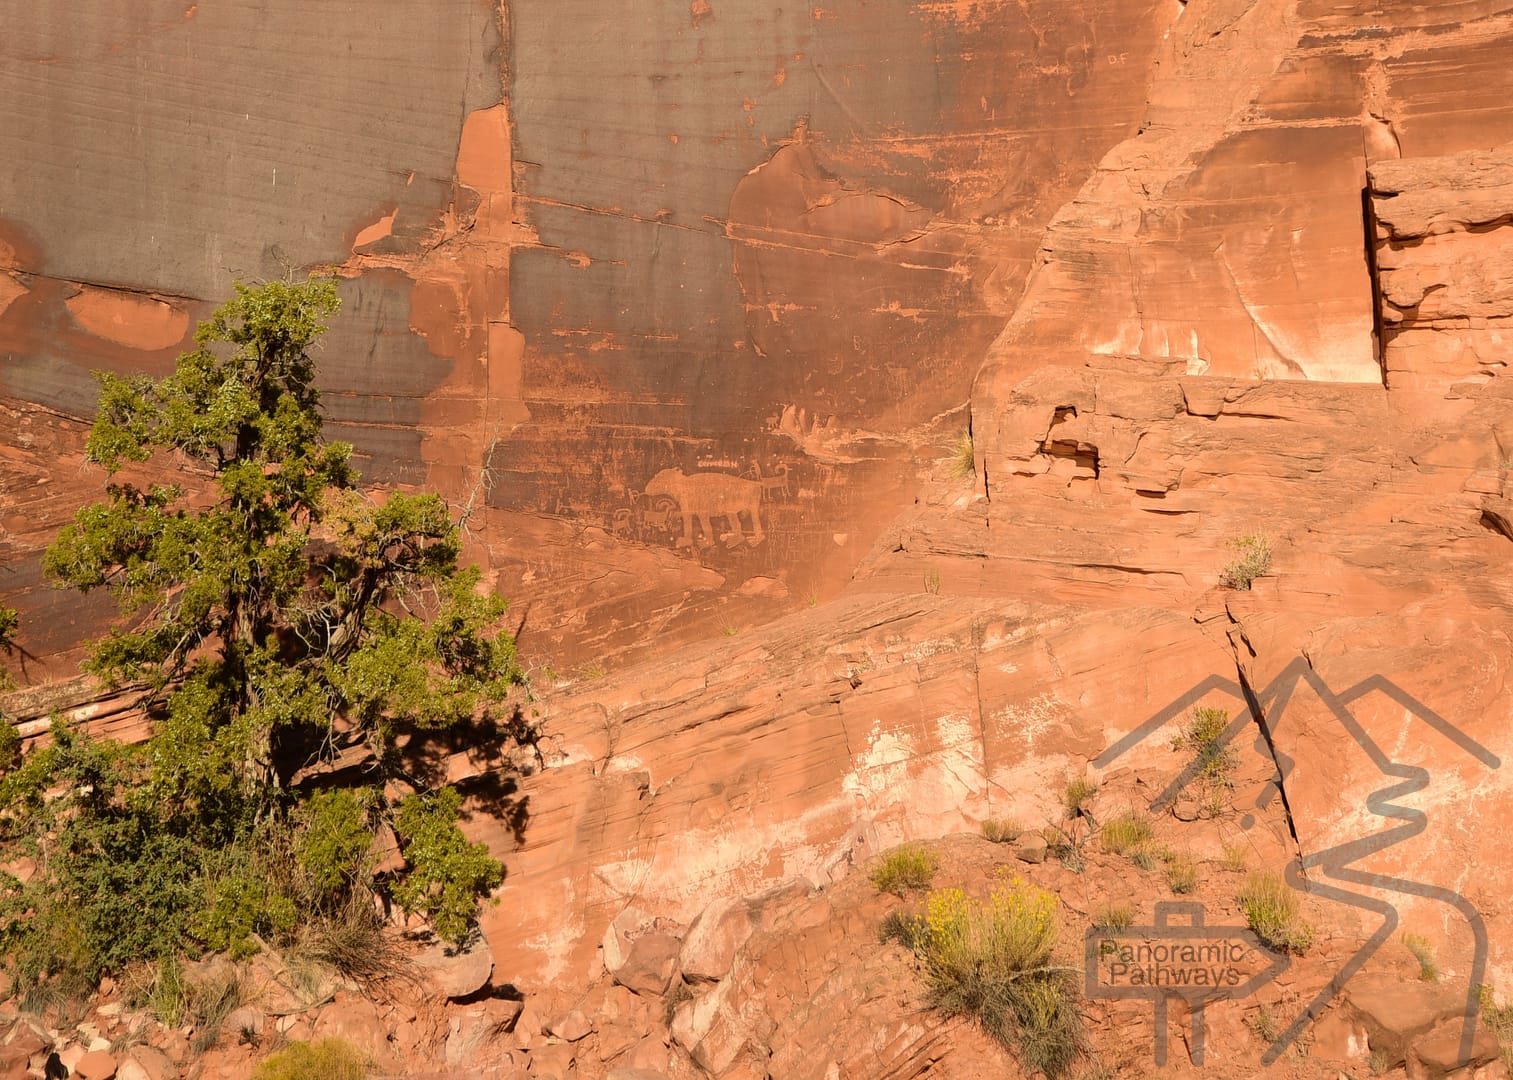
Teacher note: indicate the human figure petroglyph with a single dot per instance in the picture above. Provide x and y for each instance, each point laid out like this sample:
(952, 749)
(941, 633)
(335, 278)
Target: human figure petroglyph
(704, 496)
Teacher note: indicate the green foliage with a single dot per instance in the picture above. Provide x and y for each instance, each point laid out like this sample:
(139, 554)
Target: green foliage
(905, 868)
(113, 885)
(991, 959)
(447, 874)
(334, 845)
(328, 1059)
(9, 623)
(1235, 857)
(278, 618)
(10, 746)
(1271, 909)
(1252, 560)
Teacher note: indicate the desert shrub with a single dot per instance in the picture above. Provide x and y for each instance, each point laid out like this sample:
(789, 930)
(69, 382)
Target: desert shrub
(1114, 917)
(1423, 952)
(1271, 909)
(354, 941)
(113, 884)
(1000, 831)
(1079, 791)
(991, 959)
(1065, 845)
(1215, 800)
(1203, 735)
(905, 868)
(245, 903)
(328, 1059)
(1125, 834)
(1252, 560)
(1181, 875)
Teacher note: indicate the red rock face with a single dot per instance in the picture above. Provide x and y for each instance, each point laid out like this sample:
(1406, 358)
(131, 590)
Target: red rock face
(693, 313)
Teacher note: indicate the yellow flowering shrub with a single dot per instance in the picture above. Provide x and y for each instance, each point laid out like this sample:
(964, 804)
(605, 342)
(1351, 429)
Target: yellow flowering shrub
(992, 959)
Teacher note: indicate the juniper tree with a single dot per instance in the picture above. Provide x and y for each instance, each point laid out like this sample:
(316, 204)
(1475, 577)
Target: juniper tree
(274, 617)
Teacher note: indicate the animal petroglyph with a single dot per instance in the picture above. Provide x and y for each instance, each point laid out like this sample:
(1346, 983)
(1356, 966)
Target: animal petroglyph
(705, 496)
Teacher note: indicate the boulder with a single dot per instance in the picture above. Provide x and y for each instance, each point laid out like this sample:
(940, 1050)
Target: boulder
(1031, 848)
(246, 1018)
(472, 1031)
(1439, 1051)
(552, 1062)
(145, 1063)
(22, 1044)
(96, 1065)
(457, 973)
(355, 1019)
(623, 930)
(713, 938)
(570, 1026)
(650, 965)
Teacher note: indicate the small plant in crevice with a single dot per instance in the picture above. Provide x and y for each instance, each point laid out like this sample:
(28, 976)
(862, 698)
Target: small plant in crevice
(903, 869)
(932, 582)
(1252, 560)
(1214, 800)
(676, 995)
(1271, 910)
(1423, 951)
(964, 457)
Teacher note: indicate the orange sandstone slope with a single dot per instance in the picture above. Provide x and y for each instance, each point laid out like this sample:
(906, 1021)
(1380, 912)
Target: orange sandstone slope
(1280, 307)
(1197, 271)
